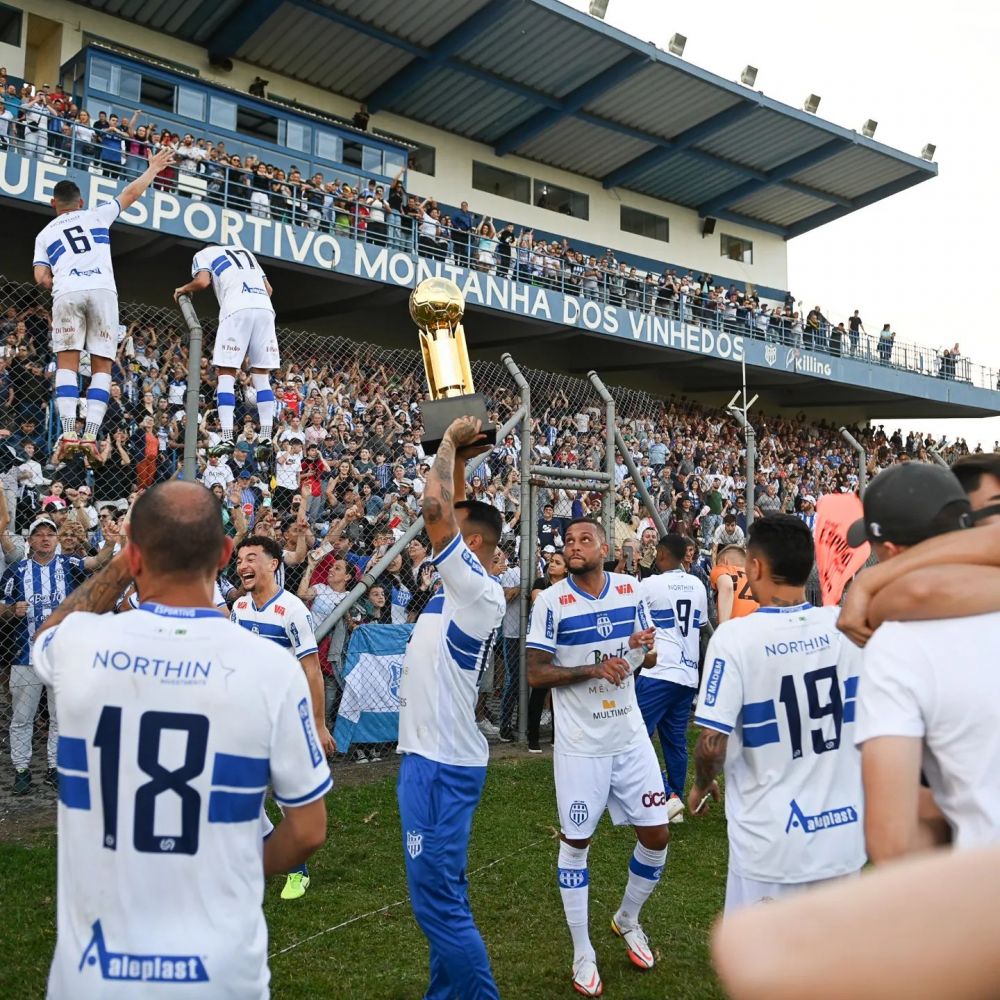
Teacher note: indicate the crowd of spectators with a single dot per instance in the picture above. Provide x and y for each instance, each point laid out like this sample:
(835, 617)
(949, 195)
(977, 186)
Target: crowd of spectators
(45, 122)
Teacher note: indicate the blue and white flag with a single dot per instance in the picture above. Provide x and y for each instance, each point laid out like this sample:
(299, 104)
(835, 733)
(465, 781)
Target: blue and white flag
(373, 668)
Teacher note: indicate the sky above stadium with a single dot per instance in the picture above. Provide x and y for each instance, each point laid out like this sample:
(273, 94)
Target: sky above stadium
(920, 260)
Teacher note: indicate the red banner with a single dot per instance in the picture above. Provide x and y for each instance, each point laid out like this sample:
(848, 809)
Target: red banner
(836, 561)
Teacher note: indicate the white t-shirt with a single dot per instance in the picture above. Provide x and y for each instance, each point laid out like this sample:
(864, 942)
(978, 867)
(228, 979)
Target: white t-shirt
(286, 470)
(220, 474)
(678, 607)
(593, 718)
(76, 247)
(284, 619)
(782, 684)
(938, 681)
(168, 739)
(511, 577)
(237, 279)
(450, 646)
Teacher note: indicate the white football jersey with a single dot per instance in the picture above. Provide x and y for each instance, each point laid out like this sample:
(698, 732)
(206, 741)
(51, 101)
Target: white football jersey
(172, 723)
(218, 601)
(678, 607)
(76, 246)
(284, 620)
(593, 718)
(450, 646)
(937, 681)
(782, 684)
(237, 279)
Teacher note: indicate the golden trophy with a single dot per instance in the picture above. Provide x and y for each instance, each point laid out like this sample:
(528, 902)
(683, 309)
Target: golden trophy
(437, 306)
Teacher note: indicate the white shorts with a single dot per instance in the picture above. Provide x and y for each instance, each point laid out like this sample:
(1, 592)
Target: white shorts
(247, 333)
(86, 321)
(629, 785)
(741, 891)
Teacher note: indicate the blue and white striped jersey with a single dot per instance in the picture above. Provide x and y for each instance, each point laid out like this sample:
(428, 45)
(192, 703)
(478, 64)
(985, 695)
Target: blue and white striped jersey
(593, 718)
(782, 683)
(237, 279)
(76, 246)
(172, 723)
(450, 646)
(678, 606)
(284, 620)
(43, 588)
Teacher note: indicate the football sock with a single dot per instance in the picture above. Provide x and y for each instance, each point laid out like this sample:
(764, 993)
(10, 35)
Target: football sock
(67, 399)
(573, 887)
(644, 871)
(98, 395)
(225, 395)
(265, 404)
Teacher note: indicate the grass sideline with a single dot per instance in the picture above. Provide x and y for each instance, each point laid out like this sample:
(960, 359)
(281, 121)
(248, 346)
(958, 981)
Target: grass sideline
(515, 901)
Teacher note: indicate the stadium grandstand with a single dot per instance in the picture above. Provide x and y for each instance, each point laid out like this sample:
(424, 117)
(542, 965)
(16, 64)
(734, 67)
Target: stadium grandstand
(603, 205)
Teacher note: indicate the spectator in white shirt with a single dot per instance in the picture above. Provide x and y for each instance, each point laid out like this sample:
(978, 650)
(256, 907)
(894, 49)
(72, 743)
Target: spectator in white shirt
(288, 465)
(217, 471)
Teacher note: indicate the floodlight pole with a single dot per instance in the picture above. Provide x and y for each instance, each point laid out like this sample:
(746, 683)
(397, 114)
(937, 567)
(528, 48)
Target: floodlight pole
(862, 459)
(939, 458)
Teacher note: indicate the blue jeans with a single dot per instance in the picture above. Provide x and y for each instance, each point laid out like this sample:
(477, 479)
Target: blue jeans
(511, 682)
(666, 708)
(436, 805)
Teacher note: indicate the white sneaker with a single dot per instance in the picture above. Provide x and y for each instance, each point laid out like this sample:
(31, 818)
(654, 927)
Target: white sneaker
(586, 978)
(487, 728)
(636, 945)
(675, 809)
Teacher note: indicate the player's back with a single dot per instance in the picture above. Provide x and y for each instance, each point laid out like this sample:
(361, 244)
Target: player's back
(172, 723)
(743, 602)
(678, 607)
(784, 681)
(77, 248)
(238, 280)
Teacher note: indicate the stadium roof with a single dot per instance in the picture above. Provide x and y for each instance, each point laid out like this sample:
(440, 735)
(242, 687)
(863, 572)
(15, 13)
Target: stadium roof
(541, 80)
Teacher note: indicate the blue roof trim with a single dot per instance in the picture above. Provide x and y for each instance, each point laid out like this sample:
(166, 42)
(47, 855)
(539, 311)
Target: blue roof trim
(236, 31)
(439, 54)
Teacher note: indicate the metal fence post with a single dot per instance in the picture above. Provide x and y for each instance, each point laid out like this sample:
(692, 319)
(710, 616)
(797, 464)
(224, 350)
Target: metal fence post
(937, 456)
(608, 510)
(862, 459)
(751, 438)
(193, 385)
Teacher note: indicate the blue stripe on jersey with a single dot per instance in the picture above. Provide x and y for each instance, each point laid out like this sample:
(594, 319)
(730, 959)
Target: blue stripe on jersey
(713, 724)
(583, 636)
(99, 231)
(235, 807)
(663, 619)
(240, 772)
(849, 709)
(74, 791)
(851, 687)
(219, 261)
(99, 394)
(465, 650)
(758, 711)
(268, 631)
(761, 736)
(226, 398)
(221, 267)
(55, 250)
(71, 754)
(435, 605)
(320, 789)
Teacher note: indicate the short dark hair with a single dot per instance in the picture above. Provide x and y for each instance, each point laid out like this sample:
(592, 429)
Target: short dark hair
(177, 529)
(729, 519)
(785, 543)
(269, 545)
(66, 193)
(484, 517)
(590, 522)
(970, 469)
(675, 544)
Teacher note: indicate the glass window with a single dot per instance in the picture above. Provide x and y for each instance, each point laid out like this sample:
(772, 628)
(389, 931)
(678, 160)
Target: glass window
(10, 26)
(354, 154)
(424, 159)
(328, 146)
(100, 75)
(504, 183)
(562, 200)
(260, 124)
(111, 78)
(371, 160)
(634, 220)
(737, 248)
(393, 161)
(222, 113)
(298, 136)
(190, 103)
(130, 87)
(157, 94)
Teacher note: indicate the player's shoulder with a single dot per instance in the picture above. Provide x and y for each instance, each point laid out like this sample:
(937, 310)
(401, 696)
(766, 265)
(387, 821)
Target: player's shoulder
(622, 585)
(286, 602)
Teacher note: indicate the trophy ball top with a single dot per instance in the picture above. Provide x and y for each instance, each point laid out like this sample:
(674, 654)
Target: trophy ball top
(436, 302)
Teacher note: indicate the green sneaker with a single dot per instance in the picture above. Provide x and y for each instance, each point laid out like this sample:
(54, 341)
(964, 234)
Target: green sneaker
(22, 782)
(295, 886)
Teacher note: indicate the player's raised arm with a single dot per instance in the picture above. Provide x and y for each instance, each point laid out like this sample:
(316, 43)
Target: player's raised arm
(201, 281)
(464, 436)
(134, 191)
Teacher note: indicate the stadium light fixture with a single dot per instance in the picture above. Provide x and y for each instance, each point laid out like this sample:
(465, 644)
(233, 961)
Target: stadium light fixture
(598, 8)
(676, 44)
(928, 151)
(811, 104)
(868, 129)
(749, 75)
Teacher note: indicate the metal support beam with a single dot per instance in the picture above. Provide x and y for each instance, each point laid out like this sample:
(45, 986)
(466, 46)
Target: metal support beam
(751, 438)
(570, 484)
(190, 462)
(560, 472)
(362, 27)
(571, 103)
(862, 459)
(937, 456)
(237, 30)
(607, 509)
(447, 47)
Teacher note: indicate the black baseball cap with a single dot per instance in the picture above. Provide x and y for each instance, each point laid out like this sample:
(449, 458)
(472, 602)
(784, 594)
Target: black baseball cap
(902, 502)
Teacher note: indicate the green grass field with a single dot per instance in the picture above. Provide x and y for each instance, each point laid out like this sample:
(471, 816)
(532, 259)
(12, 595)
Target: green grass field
(339, 941)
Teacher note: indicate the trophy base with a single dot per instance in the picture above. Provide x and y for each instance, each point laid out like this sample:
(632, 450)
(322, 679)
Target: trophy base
(437, 414)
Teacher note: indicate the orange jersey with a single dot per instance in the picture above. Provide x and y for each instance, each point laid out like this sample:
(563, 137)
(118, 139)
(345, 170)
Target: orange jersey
(743, 602)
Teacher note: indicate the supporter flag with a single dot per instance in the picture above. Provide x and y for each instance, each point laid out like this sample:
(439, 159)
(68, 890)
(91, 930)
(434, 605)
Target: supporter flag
(836, 561)
(373, 668)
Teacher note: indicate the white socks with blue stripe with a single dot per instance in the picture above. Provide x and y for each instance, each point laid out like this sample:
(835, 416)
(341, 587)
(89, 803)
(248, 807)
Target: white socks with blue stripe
(573, 882)
(98, 395)
(225, 395)
(265, 404)
(644, 871)
(67, 399)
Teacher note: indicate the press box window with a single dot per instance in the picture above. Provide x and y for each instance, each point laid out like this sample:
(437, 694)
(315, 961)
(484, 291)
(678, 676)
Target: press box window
(423, 159)
(256, 123)
(562, 200)
(737, 248)
(10, 26)
(654, 227)
(503, 183)
(157, 94)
